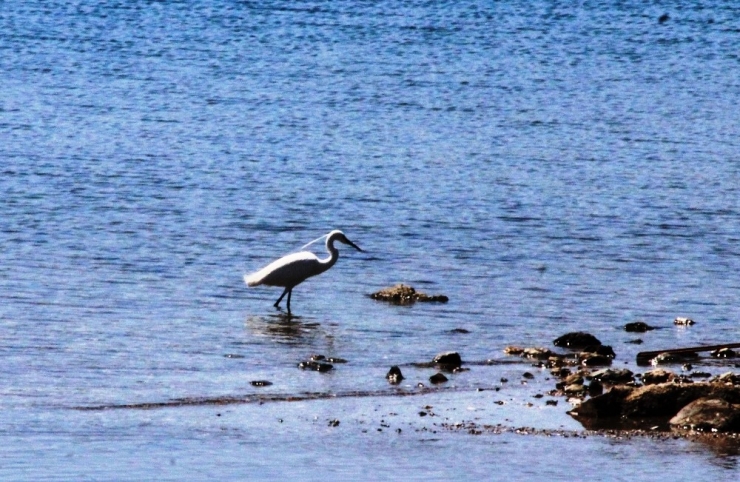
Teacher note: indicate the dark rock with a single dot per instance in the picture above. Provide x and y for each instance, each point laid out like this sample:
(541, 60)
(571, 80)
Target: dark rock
(437, 378)
(636, 341)
(656, 376)
(613, 376)
(461, 331)
(700, 375)
(592, 359)
(638, 327)
(708, 415)
(402, 294)
(661, 401)
(394, 375)
(663, 18)
(560, 372)
(668, 358)
(314, 365)
(723, 353)
(448, 360)
(576, 340)
(608, 405)
(604, 350)
(261, 383)
(553, 403)
(573, 379)
(527, 375)
(682, 379)
(595, 388)
(680, 320)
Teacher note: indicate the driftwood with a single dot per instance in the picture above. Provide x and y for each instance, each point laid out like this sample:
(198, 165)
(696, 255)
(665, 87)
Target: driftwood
(644, 357)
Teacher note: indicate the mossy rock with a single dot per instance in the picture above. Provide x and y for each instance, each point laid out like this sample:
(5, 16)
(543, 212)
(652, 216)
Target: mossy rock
(403, 294)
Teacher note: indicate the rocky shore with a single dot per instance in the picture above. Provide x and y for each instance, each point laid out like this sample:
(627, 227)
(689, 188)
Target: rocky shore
(606, 397)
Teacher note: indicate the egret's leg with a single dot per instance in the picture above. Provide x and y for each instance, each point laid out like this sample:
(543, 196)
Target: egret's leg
(289, 293)
(277, 303)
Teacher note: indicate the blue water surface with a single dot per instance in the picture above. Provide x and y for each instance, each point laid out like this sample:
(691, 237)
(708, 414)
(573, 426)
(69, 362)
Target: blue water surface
(549, 166)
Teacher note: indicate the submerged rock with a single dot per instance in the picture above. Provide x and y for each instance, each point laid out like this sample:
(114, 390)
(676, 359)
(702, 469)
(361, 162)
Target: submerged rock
(316, 366)
(576, 340)
(261, 383)
(448, 360)
(394, 375)
(403, 294)
(437, 378)
(638, 327)
(708, 415)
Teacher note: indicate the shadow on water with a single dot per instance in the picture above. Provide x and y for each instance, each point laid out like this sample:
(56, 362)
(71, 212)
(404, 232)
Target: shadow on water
(282, 327)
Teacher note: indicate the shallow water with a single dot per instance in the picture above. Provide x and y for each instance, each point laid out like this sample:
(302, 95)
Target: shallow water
(547, 167)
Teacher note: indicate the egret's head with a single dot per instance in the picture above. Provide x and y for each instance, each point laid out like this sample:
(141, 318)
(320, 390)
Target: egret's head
(337, 235)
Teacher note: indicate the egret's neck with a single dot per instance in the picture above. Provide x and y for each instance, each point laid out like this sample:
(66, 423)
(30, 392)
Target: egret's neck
(327, 263)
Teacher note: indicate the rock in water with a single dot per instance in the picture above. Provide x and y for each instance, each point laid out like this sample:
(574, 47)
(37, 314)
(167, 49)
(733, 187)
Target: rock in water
(576, 340)
(314, 365)
(723, 353)
(402, 294)
(448, 360)
(394, 375)
(667, 358)
(261, 383)
(708, 415)
(438, 378)
(638, 327)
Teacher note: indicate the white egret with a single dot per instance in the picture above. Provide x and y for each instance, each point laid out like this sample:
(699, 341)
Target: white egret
(291, 270)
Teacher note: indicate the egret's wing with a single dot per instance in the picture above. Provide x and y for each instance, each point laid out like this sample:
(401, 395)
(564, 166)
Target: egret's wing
(286, 271)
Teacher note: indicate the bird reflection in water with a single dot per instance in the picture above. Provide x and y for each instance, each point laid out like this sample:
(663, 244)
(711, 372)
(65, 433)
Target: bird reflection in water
(282, 327)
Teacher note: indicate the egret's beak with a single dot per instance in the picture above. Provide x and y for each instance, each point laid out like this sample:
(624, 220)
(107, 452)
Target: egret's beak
(352, 244)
